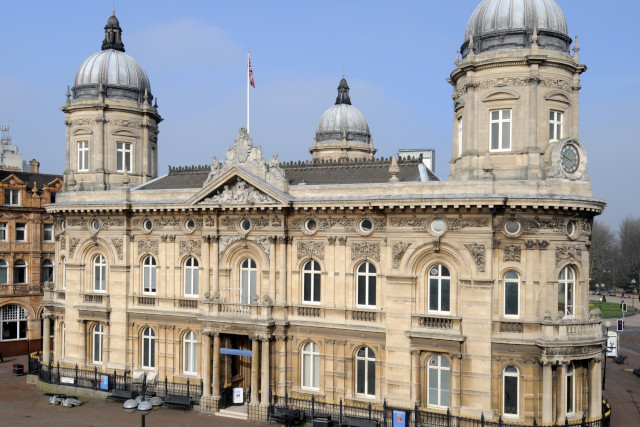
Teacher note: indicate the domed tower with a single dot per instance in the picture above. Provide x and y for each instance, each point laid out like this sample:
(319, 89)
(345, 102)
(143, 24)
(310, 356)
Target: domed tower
(112, 126)
(342, 132)
(516, 94)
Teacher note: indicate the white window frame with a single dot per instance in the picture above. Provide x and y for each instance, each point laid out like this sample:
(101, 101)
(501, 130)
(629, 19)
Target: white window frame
(14, 313)
(123, 156)
(47, 264)
(310, 363)
(509, 281)
(368, 277)
(369, 360)
(3, 231)
(4, 266)
(248, 280)
(83, 156)
(441, 367)
(149, 275)
(21, 232)
(148, 352)
(515, 375)
(99, 273)
(97, 341)
(556, 125)
(47, 232)
(311, 276)
(191, 277)
(22, 265)
(438, 296)
(190, 353)
(500, 121)
(11, 197)
(567, 282)
(571, 389)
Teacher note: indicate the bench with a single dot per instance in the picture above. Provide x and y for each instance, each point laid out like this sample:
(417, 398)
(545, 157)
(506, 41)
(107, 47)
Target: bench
(358, 422)
(181, 401)
(120, 395)
(287, 416)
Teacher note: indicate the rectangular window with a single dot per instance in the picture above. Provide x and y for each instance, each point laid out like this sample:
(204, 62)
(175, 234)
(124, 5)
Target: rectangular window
(500, 130)
(555, 125)
(511, 395)
(83, 156)
(123, 157)
(48, 233)
(511, 298)
(11, 197)
(21, 232)
(3, 231)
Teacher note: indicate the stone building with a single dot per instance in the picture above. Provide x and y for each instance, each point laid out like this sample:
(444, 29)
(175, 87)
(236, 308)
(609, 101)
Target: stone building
(305, 278)
(26, 256)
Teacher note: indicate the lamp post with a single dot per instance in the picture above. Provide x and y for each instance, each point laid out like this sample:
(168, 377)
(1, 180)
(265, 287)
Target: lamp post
(143, 407)
(607, 325)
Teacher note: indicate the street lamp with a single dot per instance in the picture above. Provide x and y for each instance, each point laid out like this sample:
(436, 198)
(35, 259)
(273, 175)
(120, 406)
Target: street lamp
(607, 325)
(143, 407)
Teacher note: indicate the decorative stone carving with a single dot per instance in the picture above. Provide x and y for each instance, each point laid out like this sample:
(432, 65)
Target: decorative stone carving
(379, 223)
(226, 241)
(264, 244)
(461, 222)
(478, 253)
(398, 251)
(172, 238)
(117, 243)
(530, 244)
(310, 248)
(239, 193)
(414, 222)
(190, 246)
(148, 246)
(327, 223)
(342, 241)
(63, 243)
(259, 222)
(537, 223)
(77, 222)
(365, 250)
(73, 243)
(512, 253)
(228, 221)
(543, 244)
(275, 221)
(109, 222)
(571, 253)
(331, 240)
(126, 123)
(209, 221)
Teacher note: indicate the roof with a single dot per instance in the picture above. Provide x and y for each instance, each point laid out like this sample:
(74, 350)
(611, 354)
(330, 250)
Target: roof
(41, 179)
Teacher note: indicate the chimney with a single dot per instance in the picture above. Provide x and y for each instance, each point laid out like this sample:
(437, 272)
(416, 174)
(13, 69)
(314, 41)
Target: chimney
(34, 166)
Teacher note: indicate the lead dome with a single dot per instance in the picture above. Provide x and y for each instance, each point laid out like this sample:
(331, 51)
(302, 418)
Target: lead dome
(118, 73)
(509, 24)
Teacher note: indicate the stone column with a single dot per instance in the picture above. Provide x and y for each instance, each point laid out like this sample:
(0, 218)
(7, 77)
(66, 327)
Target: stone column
(216, 365)
(281, 380)
(46, 340)
(206, 364)
(82, 342)
(415, 376)
(255, 354)
(205, 266)
(456, 381)
(105, 344)
(282, 291)
(265, 372)
(561, 389)
(272, 268)
(547, 393)
(213, 261)
(595, 387)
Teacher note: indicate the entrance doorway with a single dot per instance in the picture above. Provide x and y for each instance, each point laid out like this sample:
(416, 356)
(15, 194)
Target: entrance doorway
(235, 369)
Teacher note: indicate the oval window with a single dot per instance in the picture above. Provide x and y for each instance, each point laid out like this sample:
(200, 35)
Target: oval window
(512, 226)
(366, 225)
(245, 225)
(438, 225)
(95, 224)
(190, 225)
(148, 225)
(311, 225)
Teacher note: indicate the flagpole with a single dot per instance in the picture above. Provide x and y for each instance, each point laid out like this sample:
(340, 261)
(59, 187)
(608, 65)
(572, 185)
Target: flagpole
(248, 83)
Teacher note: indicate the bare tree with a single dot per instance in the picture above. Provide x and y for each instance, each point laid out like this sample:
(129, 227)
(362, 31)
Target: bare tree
(602, 255)
(629, 236)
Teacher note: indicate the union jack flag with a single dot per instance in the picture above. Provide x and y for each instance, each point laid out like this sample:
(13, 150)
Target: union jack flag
(251, 75)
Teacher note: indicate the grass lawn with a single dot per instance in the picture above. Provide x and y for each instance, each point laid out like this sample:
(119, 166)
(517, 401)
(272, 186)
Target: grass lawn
(610, 309)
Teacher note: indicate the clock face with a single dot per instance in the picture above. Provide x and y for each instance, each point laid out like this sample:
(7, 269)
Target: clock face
(570, 158)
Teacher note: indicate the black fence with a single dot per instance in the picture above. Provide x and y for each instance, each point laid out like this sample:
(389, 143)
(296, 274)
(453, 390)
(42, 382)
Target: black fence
(340, 414)
(95, 379)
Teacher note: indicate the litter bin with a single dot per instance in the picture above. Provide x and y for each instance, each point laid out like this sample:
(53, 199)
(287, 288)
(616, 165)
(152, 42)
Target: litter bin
(18, 369)
(322, 421)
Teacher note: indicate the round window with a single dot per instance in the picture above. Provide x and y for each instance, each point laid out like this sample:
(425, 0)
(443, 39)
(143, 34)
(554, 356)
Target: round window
(147, 224)
(63, 224)
(245, 225)
(190, 225)
(366, 225)
(438, 225)
(512, 226)
(571, 228)
(311, 225)
(95, 224)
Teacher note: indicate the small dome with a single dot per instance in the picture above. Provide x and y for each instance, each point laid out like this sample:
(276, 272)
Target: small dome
(509, 24)
(343, 121)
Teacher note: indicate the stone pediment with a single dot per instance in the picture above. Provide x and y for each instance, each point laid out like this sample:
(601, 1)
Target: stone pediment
(13, 180)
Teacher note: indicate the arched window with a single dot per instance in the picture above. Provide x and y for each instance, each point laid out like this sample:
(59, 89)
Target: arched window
(99, 274)
(190, 353)
(439, 289)
(248, 273)
(148, 348)
(4, 272)
(366, 372)
(97, 343)
(566, 290)
(47, 271)
(14, 322)
(149, 275)
(510, 387)
(366, 285)
(311, 282)
(20, 272)
(310, 366)
(511, 294)
(571, 389)
(439, 381)
(191, 277)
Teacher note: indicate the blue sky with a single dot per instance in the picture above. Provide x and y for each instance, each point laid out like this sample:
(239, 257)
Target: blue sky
(396, 57)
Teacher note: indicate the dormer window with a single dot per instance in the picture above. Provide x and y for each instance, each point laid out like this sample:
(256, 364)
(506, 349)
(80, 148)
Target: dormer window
(11, 197)
(555, 125)
(500, 130)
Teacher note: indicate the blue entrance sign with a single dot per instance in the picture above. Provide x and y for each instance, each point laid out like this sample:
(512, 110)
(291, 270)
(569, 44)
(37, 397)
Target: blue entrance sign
(399, 418)
(235, 352)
